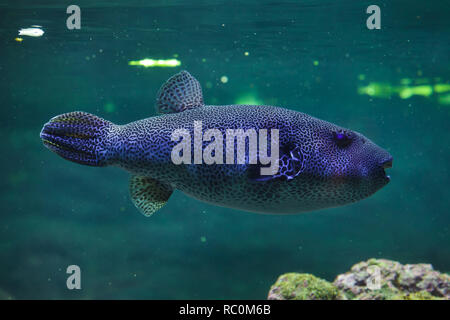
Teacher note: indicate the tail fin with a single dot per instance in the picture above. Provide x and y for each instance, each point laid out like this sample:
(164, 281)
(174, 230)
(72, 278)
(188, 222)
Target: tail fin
(79, 137)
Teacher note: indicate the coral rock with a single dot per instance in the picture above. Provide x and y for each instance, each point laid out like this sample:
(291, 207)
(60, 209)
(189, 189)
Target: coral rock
(374, 279)
(302, 286)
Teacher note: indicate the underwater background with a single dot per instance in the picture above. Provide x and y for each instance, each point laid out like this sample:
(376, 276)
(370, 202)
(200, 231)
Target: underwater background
(316, 57)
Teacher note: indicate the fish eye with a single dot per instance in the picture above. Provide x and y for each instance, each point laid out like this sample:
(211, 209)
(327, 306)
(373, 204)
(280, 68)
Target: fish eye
(343, 138)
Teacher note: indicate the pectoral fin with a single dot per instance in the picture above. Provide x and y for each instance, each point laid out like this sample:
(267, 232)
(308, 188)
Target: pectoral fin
(292, 163)
(148, 195)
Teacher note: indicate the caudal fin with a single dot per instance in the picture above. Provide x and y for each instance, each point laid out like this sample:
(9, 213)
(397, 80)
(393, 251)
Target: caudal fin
(79, 137)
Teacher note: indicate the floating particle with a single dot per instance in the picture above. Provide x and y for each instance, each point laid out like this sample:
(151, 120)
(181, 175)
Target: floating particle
(155, 63)
(31, 32)
(203, 239)
(441, 87)
(224, 79)
(315, 63)
(421, 81)
(109, 107)
(406, 90)
(249, 99)
(18, 39)
(445, 99)
(405, 81)
(246, 53)
(380, 90)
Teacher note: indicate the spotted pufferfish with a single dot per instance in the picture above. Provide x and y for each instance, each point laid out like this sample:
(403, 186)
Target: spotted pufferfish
(321, 164)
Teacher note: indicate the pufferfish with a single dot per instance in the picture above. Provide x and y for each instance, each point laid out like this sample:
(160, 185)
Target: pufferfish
(319, 164)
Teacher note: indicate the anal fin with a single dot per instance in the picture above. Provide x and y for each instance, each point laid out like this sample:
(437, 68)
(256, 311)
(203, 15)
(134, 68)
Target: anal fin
(148, 195)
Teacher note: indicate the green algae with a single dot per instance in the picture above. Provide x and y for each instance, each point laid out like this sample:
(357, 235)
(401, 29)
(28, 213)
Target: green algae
(407, 89)
(421, 295)
(303, 286)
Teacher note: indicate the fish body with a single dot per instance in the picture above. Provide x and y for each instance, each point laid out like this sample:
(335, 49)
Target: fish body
(319, 164)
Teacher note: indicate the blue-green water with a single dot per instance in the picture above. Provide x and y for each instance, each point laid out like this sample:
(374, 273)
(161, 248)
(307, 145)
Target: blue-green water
(310, 56)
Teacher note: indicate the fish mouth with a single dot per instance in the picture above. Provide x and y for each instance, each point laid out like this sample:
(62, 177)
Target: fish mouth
(60, 140)
(50, 138)
(386, 164)
(47, 137)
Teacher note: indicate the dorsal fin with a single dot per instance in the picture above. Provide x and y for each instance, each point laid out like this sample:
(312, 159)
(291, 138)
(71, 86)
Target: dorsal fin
(181, 92)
